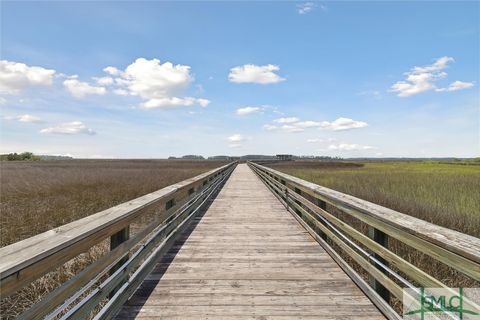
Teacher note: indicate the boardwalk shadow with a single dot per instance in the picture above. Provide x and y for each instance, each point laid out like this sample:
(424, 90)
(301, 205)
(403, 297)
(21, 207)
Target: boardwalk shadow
(138, 299)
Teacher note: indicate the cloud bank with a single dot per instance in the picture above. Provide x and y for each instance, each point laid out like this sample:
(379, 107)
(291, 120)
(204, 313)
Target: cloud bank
(293, 124)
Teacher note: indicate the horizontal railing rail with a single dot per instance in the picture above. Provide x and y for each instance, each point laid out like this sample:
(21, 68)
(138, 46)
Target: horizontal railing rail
(308, 202)
(116, 274)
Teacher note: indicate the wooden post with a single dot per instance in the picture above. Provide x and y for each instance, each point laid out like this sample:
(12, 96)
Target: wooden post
(382, 239)
(286, 192)
(115, 240)
(299, 192)
(322, 205)
(286, 199)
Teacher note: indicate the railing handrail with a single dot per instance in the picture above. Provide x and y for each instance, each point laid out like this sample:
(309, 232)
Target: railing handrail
(54, 247)
(462, 244)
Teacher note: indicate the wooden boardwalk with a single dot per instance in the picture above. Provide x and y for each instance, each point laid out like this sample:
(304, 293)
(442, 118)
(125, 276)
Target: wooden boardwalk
(242, 257)
(247, 257)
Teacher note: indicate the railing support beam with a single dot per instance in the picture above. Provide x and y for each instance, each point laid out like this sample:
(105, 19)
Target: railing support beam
(382, 239)
(115, 240)
(322, 205)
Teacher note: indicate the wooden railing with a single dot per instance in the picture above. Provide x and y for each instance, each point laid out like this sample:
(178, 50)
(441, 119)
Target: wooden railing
(388, 273)
(109, 280)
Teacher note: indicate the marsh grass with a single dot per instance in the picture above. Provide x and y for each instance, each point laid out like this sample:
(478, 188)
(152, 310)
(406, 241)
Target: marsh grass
(41, 195)
(444, 194)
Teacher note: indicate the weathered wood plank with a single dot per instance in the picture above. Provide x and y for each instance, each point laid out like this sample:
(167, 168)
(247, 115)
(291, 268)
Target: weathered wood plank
(201, 312)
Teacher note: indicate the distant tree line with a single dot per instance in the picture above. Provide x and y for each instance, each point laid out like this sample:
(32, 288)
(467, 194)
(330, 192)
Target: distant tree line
(188, 157)
(24, 156)
(252, 157)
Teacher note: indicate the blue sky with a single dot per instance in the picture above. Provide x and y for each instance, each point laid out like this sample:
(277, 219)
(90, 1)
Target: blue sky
(348, 79)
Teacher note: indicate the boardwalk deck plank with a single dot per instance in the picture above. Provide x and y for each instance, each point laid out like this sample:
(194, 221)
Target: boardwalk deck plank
(247, 258)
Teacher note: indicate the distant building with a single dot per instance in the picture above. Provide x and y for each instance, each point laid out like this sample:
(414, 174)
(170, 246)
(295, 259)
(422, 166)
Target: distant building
(284, 157)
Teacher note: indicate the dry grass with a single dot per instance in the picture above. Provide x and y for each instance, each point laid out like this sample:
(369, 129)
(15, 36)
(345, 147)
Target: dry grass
(41, 195)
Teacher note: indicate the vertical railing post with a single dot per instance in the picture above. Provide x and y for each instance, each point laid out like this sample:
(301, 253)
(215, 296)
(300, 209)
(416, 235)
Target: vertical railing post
(286, 191)
(299, 192)
(115, 240)
(382, 239)
(322, 205)
(286, 199)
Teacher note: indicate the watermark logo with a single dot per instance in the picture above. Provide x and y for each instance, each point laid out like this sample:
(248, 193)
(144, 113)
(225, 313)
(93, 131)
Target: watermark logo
(441, 303)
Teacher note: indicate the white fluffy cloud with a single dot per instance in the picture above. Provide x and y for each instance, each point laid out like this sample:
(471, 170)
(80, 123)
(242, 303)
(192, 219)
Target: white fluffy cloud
(121, 92)
(69, 128)
(457, 85)
(251, 73)
(14, 77)
(24, 118)
(159, 85)
(247, 110)
(28, 118)
(287, 120)
(173, 102)
(150, 79)
(236, 138)
(80, 89)
(422, 79)
(112, 71)
(104, 81)
(270, 127)
(349, 147)
(343, 124)
(293, 124)
(305, 8)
